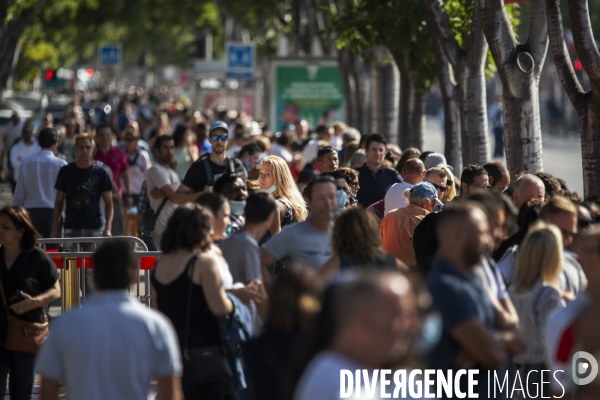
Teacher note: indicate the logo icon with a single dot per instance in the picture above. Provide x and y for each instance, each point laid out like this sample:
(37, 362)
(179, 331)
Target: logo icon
(582, 363)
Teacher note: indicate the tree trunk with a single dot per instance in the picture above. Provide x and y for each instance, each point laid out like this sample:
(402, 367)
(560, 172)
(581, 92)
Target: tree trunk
(363, 73)
(376, 96)
(472, 103)
(449, 91)
(587, 104)
(349, 85)
(519, 67)
(412, 107)
(390, 107)
(589, 129)
(468, 63)
(522, 132)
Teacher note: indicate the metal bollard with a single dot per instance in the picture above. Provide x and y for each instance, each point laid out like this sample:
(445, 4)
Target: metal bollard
(70, 284)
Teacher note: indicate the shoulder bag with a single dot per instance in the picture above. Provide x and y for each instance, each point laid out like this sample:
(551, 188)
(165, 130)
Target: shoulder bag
(22, 335)
(150, 217)
(202, 364)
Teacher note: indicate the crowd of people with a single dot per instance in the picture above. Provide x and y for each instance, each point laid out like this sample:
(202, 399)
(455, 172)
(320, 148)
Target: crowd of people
(288, 257)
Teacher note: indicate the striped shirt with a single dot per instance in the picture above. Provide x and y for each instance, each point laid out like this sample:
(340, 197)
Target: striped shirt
(534, 308)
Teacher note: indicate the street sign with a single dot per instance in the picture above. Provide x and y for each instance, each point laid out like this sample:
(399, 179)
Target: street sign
(109, 55)
(240, 61)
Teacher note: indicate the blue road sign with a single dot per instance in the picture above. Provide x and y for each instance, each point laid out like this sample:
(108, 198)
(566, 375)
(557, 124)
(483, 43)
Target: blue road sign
(240, 61)
(109, 55)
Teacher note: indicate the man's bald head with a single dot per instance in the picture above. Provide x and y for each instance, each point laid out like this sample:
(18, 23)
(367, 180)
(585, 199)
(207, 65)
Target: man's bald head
(413, 171)
(528, 187)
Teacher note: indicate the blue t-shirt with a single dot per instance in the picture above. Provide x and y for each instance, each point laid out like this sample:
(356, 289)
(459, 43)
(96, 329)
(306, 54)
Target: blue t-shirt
(69, 178)
(373, 187)
(458, 298)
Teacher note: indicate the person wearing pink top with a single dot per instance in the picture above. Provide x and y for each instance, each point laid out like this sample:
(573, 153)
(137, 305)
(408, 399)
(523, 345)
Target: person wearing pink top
(116, 160)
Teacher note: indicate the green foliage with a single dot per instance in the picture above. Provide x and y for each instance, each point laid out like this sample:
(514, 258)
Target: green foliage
(400, 26)
(68, 31)
(264, 19)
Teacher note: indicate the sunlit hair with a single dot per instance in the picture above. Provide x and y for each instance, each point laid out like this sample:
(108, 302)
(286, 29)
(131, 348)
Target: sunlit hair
(351, 178)
(294, 300)
(21, 220)
(451, 192)
(356, 232)
(286, 187)
(84, 136)
(135, 132)
(539, 258)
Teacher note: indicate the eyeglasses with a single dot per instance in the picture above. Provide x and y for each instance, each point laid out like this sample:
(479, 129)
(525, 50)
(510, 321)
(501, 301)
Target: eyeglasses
(216, 138)
(440, 188)
(568, 234)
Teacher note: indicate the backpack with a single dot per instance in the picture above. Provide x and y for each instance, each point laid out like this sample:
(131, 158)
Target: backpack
(132, 163)
(425, 243)
(210, 179)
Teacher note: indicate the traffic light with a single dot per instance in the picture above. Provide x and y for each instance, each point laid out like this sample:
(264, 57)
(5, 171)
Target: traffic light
(50, 75)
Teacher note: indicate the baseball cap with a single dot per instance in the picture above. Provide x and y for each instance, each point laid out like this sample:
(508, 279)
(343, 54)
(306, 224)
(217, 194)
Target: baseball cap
(436, 160)
(218, 125)
(425, 190)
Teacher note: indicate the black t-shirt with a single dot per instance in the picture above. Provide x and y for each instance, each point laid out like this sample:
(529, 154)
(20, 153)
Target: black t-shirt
(69, 178)
(195, 177)
(33, 272)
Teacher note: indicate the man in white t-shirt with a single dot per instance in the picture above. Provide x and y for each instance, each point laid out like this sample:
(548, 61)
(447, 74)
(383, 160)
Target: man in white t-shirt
(412, 173)
(162, 182)
(373, 324)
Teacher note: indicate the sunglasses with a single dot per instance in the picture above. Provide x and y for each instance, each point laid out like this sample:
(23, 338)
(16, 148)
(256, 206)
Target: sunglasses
(440, 188)
(216, 138)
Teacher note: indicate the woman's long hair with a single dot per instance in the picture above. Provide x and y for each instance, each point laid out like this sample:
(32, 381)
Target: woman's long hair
(539, 258)
(286, 187)
(451, 192)
(356, 232)
(20, 218)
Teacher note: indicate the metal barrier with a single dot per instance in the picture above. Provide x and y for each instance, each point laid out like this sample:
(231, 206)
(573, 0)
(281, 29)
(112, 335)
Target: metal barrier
(73, 266)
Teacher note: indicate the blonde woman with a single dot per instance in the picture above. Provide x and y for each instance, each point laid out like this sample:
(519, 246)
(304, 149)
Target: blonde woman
(536, 293)
(275, 177)
(451, 191)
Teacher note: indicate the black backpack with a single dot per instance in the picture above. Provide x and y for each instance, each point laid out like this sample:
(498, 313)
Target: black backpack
(425, 243)
(210, 179)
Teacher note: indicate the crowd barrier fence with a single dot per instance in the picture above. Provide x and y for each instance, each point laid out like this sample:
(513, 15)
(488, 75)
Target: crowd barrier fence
(72, 263)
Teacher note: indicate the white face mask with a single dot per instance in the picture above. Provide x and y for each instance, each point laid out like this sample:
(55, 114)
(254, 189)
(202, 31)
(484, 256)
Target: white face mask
(272, 189)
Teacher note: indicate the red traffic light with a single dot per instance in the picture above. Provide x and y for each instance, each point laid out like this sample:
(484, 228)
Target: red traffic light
(49, 75)
(577, 65)
(90, 72)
